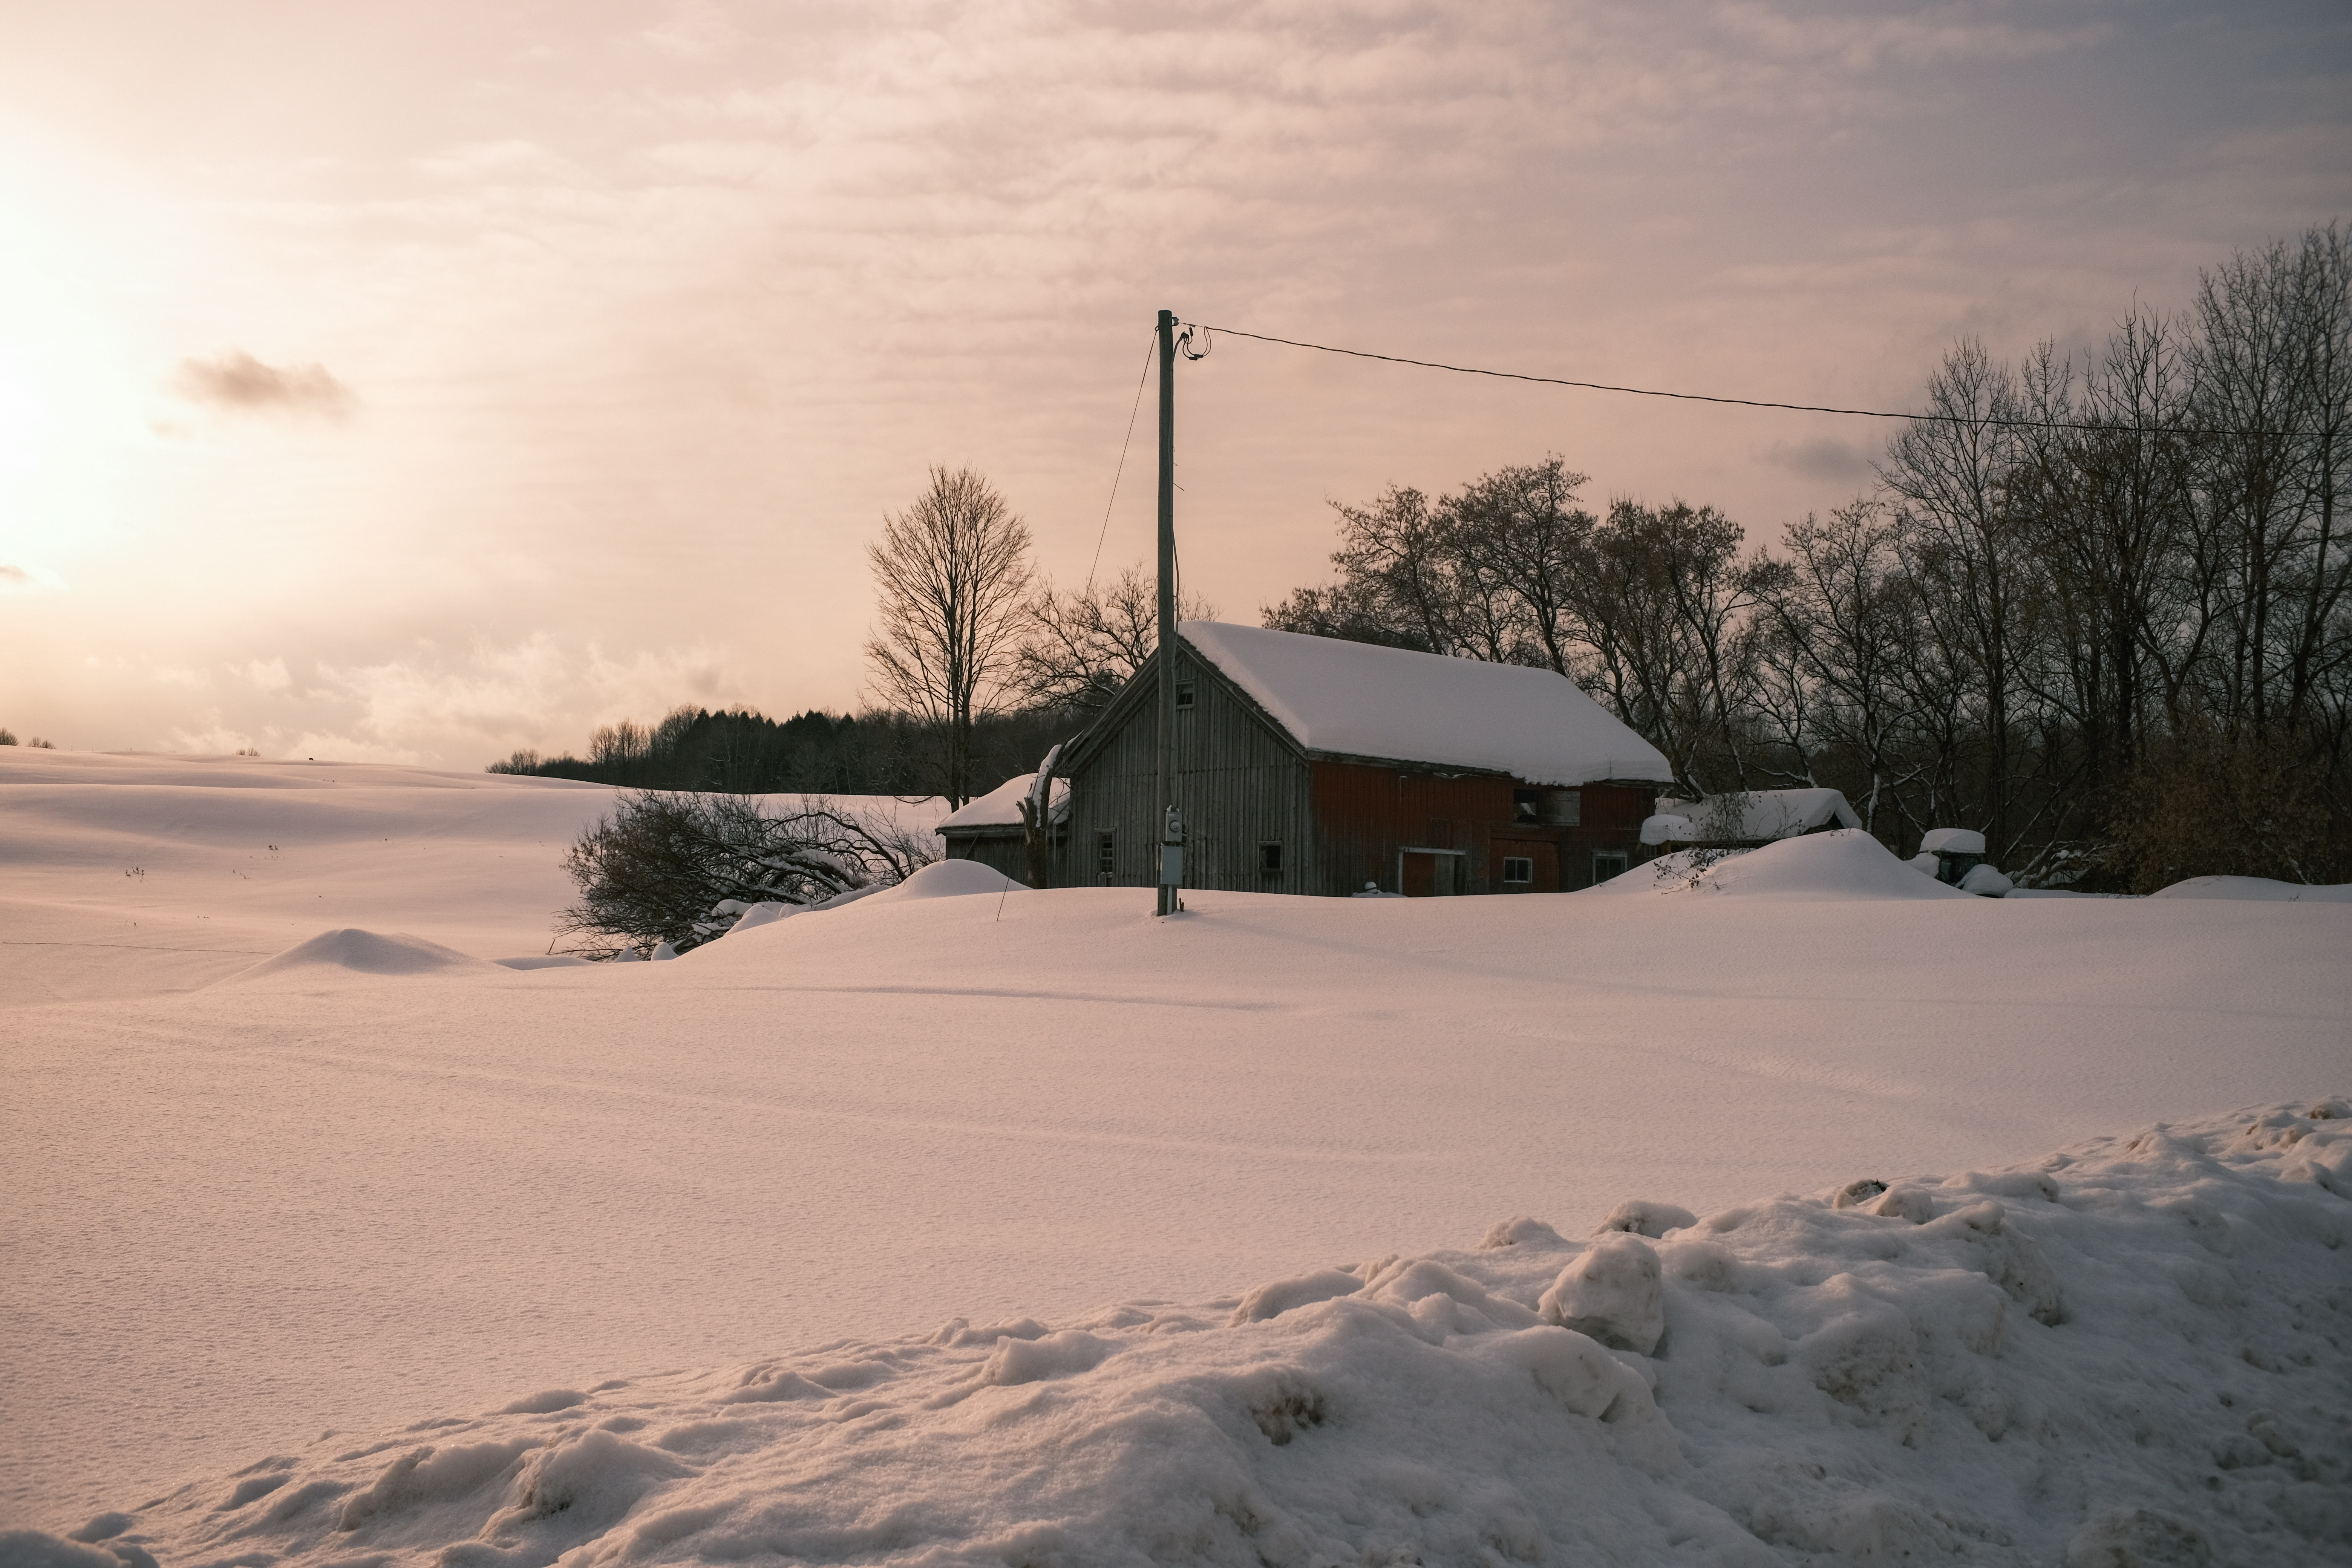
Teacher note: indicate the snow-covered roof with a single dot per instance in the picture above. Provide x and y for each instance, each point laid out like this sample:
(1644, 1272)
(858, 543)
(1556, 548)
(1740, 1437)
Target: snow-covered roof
(1744, 817)
(1001, 808)
(1951, 841)
(1358, 699)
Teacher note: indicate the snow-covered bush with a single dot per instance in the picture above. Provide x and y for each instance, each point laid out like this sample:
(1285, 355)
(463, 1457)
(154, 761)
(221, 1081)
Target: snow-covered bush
(660, 866)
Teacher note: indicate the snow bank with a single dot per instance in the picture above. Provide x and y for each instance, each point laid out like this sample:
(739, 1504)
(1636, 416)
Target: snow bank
(948, 879)
(2128, 1354)
(241, 1216)
(360, 953)
(1841, 863)
(2256, 890)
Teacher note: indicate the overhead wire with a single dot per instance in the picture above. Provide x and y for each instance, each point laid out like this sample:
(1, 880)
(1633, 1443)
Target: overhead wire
(2002, 421)
(1104, 533)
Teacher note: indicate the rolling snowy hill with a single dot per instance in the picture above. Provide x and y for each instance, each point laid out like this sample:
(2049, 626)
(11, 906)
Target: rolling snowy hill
(654, 1259)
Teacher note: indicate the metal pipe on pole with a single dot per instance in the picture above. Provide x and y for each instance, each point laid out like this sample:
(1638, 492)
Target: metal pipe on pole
(1171, 854)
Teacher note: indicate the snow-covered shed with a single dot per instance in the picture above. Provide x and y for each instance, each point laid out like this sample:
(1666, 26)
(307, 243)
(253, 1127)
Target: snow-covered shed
(1308, 764)
(1744, 819)
(988, 828)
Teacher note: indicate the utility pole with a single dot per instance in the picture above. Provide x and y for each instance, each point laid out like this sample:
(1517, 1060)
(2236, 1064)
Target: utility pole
(1171, 831)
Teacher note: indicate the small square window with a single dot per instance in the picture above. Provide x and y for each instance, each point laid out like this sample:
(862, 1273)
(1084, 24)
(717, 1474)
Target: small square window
(1519, 869)
(1183, 694)
(1524, 805)
(1607, 864)
(1269, 858)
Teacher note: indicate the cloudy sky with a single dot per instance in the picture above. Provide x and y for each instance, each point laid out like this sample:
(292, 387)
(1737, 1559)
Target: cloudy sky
(418, 382)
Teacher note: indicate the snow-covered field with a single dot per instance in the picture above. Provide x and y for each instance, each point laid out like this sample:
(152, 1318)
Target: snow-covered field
(651, 1261)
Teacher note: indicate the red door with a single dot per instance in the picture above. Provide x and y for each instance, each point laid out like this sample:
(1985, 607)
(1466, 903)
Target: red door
(1427, 875)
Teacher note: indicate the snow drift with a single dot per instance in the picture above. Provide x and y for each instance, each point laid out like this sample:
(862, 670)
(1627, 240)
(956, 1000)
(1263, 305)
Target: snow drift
(240, 1217)
(946, 879)
(1841, 863)
(2256, 890)
(2131, 1352)
(360, 953)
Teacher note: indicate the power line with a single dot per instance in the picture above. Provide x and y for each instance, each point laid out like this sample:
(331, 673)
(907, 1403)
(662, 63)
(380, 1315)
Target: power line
(1734, 402)
(1104, 533)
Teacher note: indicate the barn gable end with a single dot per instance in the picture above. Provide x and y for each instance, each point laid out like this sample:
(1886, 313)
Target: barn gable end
(1241, 780)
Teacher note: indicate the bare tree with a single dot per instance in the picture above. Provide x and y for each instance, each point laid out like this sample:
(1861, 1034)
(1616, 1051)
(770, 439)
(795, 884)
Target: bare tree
(1079, 649)
(1522, 531)
(1842, 624)
(951, 571)
(1961, 541)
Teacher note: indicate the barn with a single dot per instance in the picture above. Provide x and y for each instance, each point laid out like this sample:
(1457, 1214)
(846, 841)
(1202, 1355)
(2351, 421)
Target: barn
(1308, 764)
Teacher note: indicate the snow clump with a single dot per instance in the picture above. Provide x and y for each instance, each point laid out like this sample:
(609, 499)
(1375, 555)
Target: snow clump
(2127, 1354)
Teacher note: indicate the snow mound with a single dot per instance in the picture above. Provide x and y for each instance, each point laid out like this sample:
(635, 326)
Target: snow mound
(2129, 1353)
(2256, 890)
(1841, 863)
(948, 879)
(361, 952)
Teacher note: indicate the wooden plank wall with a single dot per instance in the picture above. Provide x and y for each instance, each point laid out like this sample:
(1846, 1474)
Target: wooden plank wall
(1238, 784)
(1364, 813)
(1004, 852)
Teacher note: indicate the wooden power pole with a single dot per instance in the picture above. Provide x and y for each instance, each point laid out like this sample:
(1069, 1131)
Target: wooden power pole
(1171, 852)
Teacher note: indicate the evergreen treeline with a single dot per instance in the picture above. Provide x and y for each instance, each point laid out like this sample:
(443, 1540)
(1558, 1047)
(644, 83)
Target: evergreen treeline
(2101, 611)
(740, 752)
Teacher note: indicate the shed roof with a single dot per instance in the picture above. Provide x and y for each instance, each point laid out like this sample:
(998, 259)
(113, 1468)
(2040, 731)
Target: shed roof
(1354, 698)
(1001, 808)
(1747, 818)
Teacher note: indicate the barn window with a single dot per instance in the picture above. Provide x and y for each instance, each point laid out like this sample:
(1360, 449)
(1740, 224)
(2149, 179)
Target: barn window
(1183, 694)
(1269, 858)
(1524, 803)
(1519, 869)
(1106, 856)
(1608, 863)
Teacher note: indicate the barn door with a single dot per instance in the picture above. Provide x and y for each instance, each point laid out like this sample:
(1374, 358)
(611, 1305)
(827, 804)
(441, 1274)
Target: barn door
(1426, 874)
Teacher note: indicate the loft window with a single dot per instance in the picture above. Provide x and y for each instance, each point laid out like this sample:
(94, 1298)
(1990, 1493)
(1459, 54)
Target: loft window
(1269, 858)
(1106, 856)
(1525, 802)
(1519, 869)
(1183, 694)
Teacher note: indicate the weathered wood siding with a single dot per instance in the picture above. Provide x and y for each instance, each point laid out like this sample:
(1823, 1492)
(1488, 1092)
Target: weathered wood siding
(1366, 815)
(1240, 785)
(1000, 849)
(1611, 824)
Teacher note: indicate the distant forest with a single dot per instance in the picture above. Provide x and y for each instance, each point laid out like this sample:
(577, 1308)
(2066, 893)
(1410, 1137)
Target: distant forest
(742, 752)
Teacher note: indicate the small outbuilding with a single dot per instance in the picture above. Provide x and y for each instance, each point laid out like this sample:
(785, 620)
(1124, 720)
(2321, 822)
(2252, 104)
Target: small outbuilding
(1746, 819)
(1308, 764)
(988, 828)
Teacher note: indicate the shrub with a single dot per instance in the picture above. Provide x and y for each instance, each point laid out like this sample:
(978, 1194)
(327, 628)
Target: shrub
(658, 868)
